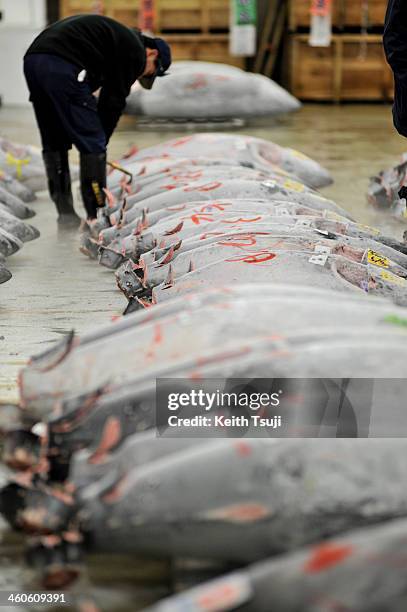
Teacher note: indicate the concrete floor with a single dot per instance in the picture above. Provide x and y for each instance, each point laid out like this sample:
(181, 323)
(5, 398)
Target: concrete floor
(55, 288)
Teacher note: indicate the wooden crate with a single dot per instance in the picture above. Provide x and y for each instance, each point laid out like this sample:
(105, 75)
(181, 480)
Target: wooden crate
(125, 11)
(352, 68)
(203, 16)
(206, 48)
(345, 13)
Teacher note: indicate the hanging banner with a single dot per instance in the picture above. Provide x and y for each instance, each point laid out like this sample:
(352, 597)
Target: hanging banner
(321, 23)
(243, 28)
(147, 16)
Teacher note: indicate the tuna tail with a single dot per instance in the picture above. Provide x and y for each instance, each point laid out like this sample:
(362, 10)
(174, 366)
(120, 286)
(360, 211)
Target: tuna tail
(21, 450)
(54, 356)
(133, 306)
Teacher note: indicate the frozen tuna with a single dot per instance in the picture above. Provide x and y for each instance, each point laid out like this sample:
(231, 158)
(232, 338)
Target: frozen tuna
(248, 150)
(207, 90)
(362, 570)
(295, 492)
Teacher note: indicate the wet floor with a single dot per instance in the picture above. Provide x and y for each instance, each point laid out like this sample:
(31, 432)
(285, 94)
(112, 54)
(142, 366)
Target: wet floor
(55, 288)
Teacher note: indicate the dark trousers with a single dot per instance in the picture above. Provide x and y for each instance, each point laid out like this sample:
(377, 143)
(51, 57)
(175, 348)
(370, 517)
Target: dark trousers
(65, 109)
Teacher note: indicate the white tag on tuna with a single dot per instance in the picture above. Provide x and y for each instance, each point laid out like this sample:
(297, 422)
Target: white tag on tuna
(320, 256)
(82, 76)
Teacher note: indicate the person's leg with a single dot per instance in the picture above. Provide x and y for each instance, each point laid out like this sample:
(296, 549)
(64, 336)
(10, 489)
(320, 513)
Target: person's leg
(55, 142)
(78, 113)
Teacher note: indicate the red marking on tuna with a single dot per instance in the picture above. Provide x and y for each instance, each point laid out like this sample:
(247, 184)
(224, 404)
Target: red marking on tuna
(198, 217)
(243, 449)
(181, 141)
(132, 151)
(218, 598)
(250, 241)
(209, 207)
(194, 176)
(110, 437)
(205, 236)
(156, 341)
(239, 513)
(206, 187)
(243, 220)
(256, 258)
(326, 556)
(199, 83)
(115, 493)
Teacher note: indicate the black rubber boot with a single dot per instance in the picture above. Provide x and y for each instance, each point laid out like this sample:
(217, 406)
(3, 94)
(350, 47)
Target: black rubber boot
(59, 186)
(93, 181)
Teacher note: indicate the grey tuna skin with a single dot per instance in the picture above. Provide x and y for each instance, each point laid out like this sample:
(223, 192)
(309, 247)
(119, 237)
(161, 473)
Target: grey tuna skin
(9, 244)
(104, 419)
(186, 328)
(237, 188)
(5, 275)
(181, 225)
(188, 179)
(14, 205)
(363, 570)
(17, 227)
(273, 207)
(173, 229)
(337, 273)
(247, 150)
(16, 188)
(135, 281)
(261, 498)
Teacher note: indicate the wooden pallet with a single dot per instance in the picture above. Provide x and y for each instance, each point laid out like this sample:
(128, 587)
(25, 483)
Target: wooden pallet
(205, 48)
(345, 13)
(203, 16)
(352, 68)
(177, 17)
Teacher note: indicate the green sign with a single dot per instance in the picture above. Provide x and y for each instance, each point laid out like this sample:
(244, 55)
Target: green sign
(245, 12)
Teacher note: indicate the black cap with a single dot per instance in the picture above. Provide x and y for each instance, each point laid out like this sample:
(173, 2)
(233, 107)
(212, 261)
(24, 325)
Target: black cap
(163, 63)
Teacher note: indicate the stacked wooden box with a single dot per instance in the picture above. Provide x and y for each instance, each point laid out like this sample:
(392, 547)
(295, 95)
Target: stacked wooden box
(196, 29)
(353, 67)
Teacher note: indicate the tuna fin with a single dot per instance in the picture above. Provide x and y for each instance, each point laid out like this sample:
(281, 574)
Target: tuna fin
(169, 281)
(169, 256)
(119, 223)
(176, 229)
(111, 201)
(131, 152)
(177, 246)
(110, 437)
(50, 359)
(144, 219)
(191, 266)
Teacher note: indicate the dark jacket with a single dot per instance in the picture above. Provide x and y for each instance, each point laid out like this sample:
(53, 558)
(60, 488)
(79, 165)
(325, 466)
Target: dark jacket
(113, 55)
(395, 46)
